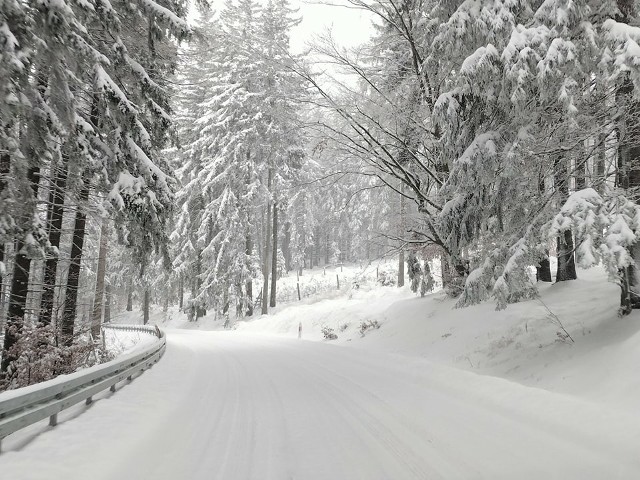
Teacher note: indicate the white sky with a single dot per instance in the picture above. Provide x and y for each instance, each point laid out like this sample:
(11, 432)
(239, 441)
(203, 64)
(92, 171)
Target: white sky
(350, 27)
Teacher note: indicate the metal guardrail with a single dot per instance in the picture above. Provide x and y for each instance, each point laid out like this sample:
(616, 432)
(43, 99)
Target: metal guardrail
(25, 406)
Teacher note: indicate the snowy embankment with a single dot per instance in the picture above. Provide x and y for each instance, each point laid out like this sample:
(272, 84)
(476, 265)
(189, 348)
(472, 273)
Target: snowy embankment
(524, 343)
(120, 342)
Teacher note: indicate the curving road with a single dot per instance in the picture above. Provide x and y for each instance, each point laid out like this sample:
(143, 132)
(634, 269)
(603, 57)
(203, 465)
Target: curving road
(229, 406)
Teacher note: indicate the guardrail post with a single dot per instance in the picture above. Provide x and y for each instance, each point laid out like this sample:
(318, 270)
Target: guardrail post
(88, 401)
(53, 420)
(113, 388)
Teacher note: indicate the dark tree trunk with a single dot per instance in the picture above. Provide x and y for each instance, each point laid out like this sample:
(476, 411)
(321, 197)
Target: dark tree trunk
(73, 277)
(100, 276)
(402, 228)
(249, 284)
(197, 284)
(581, 173)
(267, 252)
(317, 240)
(274, 257)
(327, 252)
(54, 221)
(180, 292)
(130, 298)
(17, 301)
(5, 166)
(543, 270)
(286, 246)
(19, 289)
(145, 306)
(107, 302)
(628, 173)
(600, 163)
(566, 256)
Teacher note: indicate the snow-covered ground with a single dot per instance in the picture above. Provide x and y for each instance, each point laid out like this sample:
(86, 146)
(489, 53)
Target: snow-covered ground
(434, 392)
(120, 342)
(524, 343)
(228, 405)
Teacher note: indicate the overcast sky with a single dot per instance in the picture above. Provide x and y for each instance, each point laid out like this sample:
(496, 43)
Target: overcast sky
(350, 27)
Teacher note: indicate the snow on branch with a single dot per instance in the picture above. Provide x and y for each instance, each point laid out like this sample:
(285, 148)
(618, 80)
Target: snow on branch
(624, 48)
(177, 23)
(606, 228)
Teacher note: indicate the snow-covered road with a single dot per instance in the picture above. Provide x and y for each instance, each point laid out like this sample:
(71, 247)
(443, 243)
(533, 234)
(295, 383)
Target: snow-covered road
(230, 406)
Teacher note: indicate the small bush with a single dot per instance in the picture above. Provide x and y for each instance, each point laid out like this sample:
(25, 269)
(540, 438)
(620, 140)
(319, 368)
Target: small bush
(368, 325)
(387, 276)
(328, 333)
(343, 327)
(38, 357)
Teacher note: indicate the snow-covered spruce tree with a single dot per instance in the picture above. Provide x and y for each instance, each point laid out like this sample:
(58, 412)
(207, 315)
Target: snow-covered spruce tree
(223, 158)
(540, 112)
(31, 139)
(109, 140)
(621, 37)
(243, 147)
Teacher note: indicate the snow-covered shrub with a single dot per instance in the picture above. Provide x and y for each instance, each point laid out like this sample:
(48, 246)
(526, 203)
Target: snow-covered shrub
(387, 276)
(328, 333)
(343, 327)
(368, 325)
(455, 286)
(427, 283)
(39, 358)
(414, 270)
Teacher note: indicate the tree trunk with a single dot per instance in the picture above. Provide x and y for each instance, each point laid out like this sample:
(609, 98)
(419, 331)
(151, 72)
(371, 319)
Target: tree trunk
(54, 221)
(628, 173)
(543, 270)
(130, 298)
(73, 277)
(286, 247)
(249, 283)
(274, 256)
(327, 253)
(581, 175)
(600, 164)
(180, 292)
(107, 302)
(402, 229)
(566, 256)
(17, 302)
(267, 251)
(317, 240)
(145, 306)
(100, 274)
(19, 288)
(5, 166)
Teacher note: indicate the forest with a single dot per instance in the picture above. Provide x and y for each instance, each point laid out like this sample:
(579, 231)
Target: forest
(147, 158)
